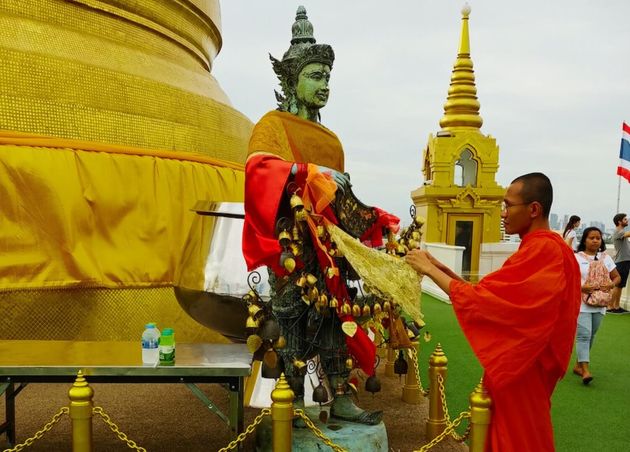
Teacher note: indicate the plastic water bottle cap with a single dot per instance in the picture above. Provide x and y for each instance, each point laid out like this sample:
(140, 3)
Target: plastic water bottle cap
(150, 325)
(167, 332)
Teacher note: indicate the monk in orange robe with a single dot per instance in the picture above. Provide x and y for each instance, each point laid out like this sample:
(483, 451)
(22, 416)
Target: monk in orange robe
(520, 320)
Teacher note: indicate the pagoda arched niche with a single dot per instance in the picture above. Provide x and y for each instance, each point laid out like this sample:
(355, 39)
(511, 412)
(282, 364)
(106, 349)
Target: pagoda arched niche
(465, 168)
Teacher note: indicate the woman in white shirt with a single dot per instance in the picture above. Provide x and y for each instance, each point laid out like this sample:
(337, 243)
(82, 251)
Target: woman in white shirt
(590, 248)
(569, 231)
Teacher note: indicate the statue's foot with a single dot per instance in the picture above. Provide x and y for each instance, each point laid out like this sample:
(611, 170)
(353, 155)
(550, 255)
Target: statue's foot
(344, 408)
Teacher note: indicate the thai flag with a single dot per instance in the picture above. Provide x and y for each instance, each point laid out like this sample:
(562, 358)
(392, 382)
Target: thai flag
(624, 153)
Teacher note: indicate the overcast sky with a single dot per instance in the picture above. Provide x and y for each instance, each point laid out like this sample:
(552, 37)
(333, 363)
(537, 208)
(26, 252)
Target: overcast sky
(553, 79)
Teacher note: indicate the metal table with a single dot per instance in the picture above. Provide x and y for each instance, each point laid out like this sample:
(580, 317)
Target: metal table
(26, 362)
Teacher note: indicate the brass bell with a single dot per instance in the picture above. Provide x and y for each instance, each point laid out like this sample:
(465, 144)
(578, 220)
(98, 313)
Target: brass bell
(251, 324)
(345, 309)
(334, 303)
(270, 330)
(284, 238)
(400, 365)
(373, 384)
(366, 310)
(253, 309)
(280, 343)
(323, 300)
(301, 215)
(301, 281)
(387, 306)
(376, 309)
(300, 367)
(297, 386)
(349, 363)
(272, 372)
(356, 310)
(311, 279)
(296, 202)
(320, 395)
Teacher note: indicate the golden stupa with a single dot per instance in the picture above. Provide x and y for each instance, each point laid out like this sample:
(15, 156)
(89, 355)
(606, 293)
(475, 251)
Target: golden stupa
(460, 198)
(111, 128)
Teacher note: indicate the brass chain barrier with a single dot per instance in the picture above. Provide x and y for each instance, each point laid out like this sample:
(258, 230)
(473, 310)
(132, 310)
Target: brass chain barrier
(131, 444)
(318, 432)
(450, 428)
(250, 428)
(29, 442)
(414, 358)
(454, 434)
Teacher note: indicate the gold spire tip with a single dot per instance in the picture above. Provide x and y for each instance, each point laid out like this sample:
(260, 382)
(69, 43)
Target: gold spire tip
(466, 10)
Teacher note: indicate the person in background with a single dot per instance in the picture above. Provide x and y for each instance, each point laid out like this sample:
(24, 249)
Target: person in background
(519, 320)
(569, 231)
(622, 260)
(590, 248)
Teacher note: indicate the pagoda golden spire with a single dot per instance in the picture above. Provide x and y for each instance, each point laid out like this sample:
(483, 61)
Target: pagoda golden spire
(462, 107)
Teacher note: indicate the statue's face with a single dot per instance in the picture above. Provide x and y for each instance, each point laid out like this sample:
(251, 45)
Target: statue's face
(312, 85)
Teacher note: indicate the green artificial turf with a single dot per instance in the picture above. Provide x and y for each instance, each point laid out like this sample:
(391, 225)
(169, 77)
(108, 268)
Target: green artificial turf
(586, 418)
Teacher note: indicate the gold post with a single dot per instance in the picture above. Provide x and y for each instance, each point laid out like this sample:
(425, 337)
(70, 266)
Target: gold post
(411, 392)
(81, 414)
(436, 423)
(389, 365)
(282, 416)
(480, 417)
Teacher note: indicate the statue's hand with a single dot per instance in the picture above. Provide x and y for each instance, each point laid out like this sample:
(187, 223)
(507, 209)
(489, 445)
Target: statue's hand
(341, 179)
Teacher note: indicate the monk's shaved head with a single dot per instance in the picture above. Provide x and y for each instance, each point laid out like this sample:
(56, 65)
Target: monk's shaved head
(536, 187)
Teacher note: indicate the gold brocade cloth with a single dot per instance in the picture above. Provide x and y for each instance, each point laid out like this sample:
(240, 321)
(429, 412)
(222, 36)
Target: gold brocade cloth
(383, 275)
(97, 218)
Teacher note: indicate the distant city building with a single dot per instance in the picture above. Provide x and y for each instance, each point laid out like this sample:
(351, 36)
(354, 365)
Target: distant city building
(554, 222)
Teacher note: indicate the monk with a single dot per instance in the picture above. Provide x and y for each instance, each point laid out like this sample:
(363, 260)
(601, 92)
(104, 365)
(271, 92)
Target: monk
(521, 319)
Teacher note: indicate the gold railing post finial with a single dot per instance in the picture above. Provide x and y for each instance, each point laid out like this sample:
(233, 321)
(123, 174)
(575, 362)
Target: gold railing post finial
(480, 417)
(282, 416)
(436, 423)
(81, 405)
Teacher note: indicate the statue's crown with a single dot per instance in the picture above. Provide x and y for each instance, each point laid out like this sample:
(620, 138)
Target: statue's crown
(303, 50)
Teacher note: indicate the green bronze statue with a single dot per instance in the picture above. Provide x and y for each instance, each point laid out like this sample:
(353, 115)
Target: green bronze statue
(292, 154)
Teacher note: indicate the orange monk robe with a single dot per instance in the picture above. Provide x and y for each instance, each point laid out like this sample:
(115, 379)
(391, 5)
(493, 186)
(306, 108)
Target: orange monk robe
(278, 141)
(521, 322)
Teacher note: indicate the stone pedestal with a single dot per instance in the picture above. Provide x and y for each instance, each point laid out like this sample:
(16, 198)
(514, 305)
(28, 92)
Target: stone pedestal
(348, 435)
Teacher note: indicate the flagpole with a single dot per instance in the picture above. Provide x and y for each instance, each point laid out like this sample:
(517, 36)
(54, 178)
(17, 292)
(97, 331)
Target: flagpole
(618, 193)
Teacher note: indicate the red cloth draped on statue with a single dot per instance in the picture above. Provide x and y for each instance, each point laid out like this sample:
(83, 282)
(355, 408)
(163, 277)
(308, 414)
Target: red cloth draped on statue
(521, 322)
(278, 141)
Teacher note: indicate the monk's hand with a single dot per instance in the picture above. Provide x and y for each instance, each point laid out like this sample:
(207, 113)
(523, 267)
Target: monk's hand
(341, 179)
(587, 288)
(420, 261)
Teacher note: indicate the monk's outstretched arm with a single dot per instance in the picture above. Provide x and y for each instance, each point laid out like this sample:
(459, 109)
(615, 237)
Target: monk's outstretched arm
(425, 264)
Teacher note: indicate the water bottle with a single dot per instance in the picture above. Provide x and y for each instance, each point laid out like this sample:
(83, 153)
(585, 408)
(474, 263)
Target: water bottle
(167, 347)
(150, 344)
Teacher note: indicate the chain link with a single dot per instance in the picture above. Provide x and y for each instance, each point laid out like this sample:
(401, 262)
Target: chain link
(114, 428)
(29, 442)
(413, 351)
(442, 390)
(318, 432)
(250, 428)
(450, 428)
